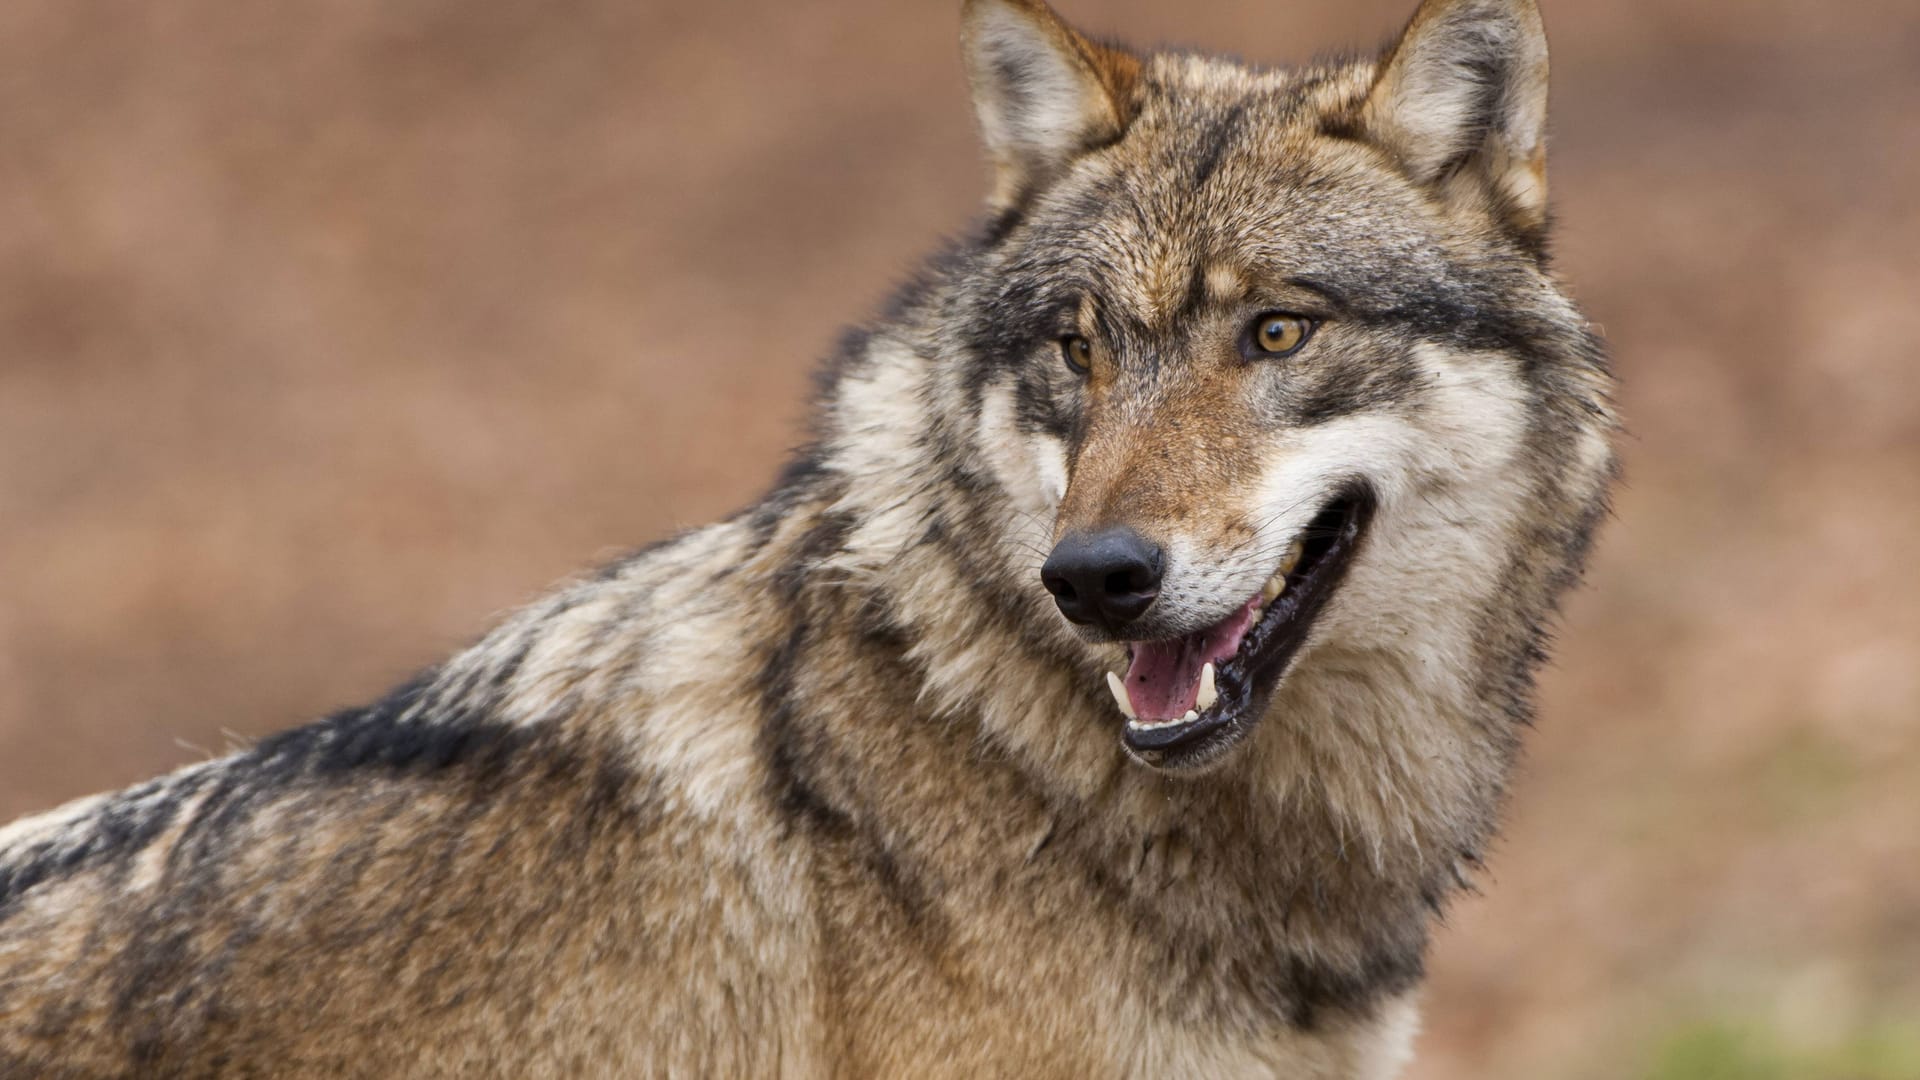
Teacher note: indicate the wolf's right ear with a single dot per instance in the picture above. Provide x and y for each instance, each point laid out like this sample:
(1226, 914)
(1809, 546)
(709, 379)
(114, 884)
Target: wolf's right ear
(1044, 94)
(1463, 96)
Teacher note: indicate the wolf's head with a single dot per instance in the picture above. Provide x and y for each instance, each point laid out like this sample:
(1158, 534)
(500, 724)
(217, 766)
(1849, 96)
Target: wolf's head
(1271, 365)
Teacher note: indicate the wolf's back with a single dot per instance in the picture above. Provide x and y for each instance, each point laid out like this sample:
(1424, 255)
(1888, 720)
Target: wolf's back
(475, 875)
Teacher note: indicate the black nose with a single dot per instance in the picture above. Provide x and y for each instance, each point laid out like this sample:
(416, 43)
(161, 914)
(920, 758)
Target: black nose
(1107, 579)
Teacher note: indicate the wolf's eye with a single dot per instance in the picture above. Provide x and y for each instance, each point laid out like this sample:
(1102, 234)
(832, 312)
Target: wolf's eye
(1078, 352)
(1277, 334)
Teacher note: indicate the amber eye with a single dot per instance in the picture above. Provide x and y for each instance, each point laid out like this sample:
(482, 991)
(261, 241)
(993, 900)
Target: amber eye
(1278, 334)
(1078, 352)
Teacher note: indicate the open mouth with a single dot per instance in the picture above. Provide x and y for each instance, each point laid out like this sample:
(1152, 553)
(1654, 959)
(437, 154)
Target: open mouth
(1188, 699)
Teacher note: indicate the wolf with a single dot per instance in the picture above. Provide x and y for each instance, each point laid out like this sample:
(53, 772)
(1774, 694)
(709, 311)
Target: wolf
(1120, 682)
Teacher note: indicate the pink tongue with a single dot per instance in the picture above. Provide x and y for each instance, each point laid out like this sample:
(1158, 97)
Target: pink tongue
(1163, 682)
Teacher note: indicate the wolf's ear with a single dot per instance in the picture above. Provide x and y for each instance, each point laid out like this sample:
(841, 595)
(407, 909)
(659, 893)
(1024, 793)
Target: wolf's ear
(1463, 97)
(1044, 94)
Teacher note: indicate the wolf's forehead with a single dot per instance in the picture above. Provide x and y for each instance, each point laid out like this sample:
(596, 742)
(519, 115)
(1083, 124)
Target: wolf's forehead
(1231, 180)
(1198, 208)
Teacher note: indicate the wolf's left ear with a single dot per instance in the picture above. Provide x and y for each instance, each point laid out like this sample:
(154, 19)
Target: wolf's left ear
(1463, 99)
(1044, 94)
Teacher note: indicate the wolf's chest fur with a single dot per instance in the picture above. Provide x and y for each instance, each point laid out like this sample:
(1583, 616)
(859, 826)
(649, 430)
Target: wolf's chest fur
(1126, 673)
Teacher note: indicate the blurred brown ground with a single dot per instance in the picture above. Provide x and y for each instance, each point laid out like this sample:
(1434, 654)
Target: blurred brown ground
(329, 331)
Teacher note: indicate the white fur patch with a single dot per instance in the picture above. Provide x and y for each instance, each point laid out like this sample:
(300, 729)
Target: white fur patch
(1032, 467)
(1388, 1050)
(1376, 1049)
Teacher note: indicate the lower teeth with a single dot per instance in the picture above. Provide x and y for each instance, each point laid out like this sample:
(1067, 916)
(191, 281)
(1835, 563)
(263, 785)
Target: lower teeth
(1156, 725)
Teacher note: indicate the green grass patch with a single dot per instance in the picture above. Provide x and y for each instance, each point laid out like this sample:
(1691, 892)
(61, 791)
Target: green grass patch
(1728, 1051)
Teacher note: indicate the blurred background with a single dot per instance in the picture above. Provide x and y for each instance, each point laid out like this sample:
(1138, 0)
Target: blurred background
(329, 331)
